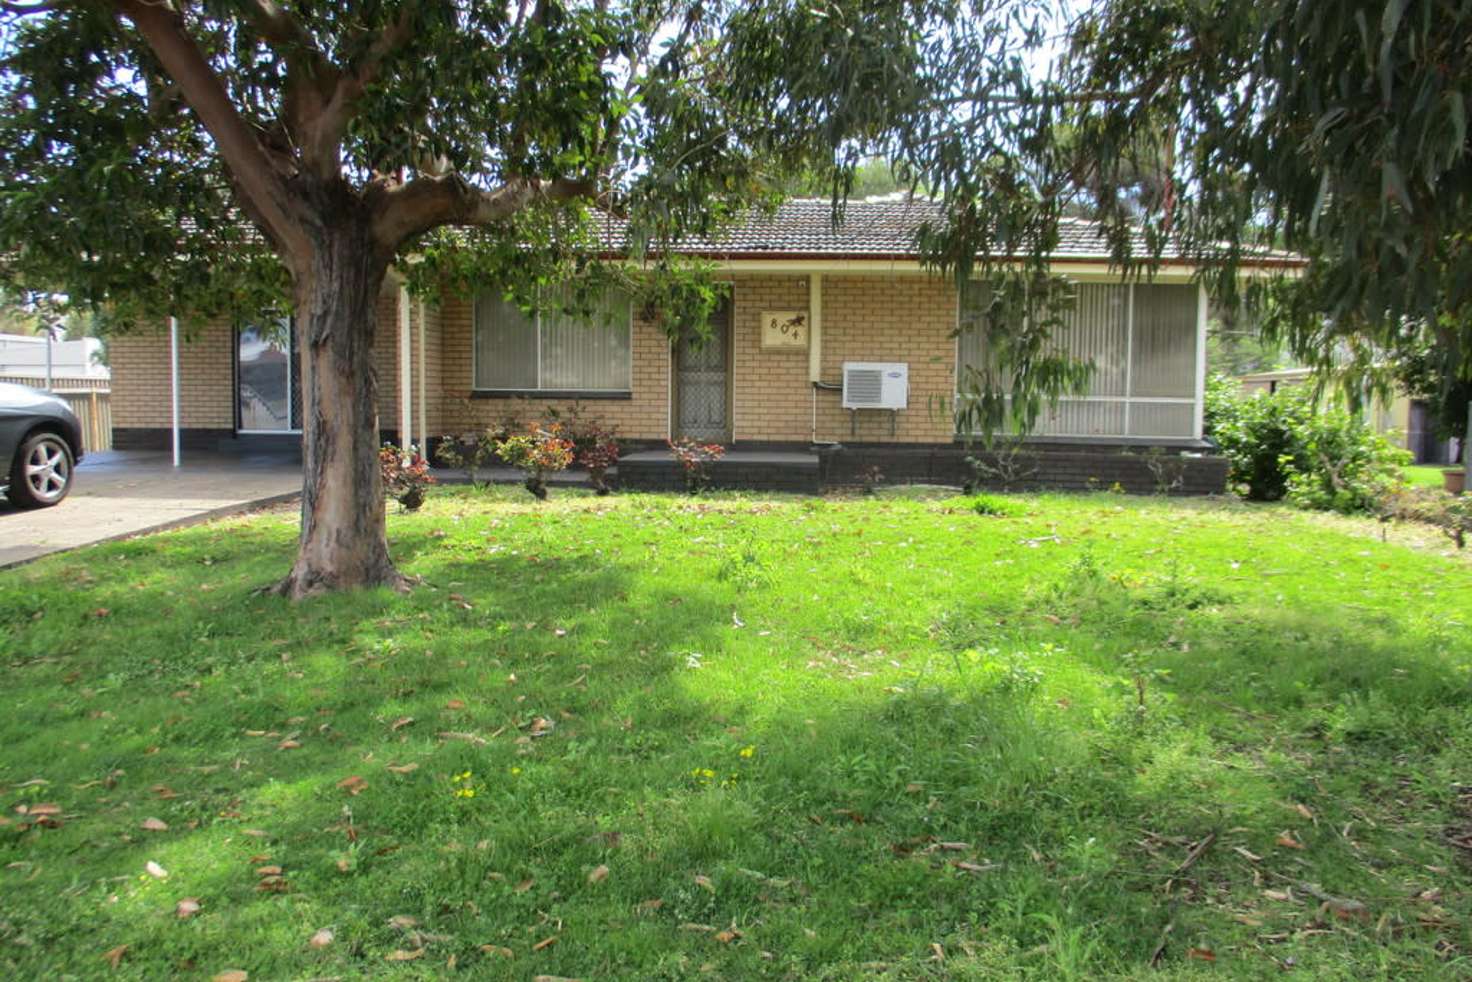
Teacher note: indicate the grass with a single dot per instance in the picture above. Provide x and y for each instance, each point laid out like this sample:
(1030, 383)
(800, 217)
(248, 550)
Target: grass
(1425, 475)
(746, 737)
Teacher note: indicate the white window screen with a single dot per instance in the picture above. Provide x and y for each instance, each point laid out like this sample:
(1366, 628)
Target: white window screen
(1141, 340)
(553, 351)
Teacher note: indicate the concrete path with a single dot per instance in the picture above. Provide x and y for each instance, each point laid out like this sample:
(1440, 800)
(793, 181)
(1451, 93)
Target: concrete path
(120, 493)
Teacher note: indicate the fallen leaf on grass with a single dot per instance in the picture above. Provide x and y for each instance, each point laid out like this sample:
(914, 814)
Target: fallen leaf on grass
(186, 908)
(231, 975)
(1201, 954)
(545, 943)
(704, 883)
(541, 726)
(1303, 810)
(400, 723)
(1249, 856)
(400, 955)
(322, 938)
(455, 704)
(114, 957)
(493, 949)
(154, 825)
(403, 768)
(479, 741)
(268, 871)
(648, 905)
(598, 875)
(525, 885)
(403, 922)
(553, 978)
(288, 745)
(155, 870)
(353, 785)
(255, 833)
(41, 809)
(1288, 842)
(728, 935)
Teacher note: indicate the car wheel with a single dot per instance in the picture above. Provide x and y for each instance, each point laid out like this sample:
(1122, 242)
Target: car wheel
(42, 473)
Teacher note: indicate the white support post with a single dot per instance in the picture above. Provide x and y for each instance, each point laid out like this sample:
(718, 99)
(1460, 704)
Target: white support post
(406, 377)
(174, 384)
(423, 392)
(815, 342)
(1198, 421)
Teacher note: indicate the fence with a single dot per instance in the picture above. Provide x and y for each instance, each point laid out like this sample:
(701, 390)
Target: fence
(89, 398)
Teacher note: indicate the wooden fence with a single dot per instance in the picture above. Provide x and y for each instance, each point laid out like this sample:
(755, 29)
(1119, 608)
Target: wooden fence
(89, 398)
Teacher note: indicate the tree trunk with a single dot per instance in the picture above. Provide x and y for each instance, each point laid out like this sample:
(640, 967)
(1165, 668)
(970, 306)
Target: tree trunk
(343, 543)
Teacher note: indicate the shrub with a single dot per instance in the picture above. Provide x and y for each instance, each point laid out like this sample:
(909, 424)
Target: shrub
(1286, 445)
(468, 452)
(405, 475)
(537, 452)
(594, 446)
(695, 460)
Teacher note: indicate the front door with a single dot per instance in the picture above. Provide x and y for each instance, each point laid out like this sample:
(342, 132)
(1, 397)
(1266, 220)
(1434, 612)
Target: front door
(703, 382)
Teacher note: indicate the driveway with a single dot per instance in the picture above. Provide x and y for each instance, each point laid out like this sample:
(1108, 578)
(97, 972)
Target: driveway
(122, 493)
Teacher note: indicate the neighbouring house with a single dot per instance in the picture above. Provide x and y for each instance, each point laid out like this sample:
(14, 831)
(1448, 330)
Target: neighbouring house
(836, 352)
(1406, 422)
(72, 369)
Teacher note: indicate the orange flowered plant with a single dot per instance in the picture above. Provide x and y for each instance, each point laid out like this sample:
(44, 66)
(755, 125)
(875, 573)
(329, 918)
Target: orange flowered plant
(541, 450)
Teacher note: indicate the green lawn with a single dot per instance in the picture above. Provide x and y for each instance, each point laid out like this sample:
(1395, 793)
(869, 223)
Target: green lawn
(746, 737)
(1425, 475)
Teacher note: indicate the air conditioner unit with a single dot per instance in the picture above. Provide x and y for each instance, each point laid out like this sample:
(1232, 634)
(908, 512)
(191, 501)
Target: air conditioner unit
(875, 385)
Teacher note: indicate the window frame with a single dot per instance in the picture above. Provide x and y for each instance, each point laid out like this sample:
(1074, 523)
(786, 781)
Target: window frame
(489, 392)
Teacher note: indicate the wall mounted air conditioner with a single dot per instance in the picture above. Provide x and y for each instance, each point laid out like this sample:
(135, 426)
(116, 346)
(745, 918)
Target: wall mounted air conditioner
(875, 385)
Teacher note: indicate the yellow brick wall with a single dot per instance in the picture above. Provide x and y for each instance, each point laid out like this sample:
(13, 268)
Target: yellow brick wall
(140, 375)
(140, 379)
(865, 318)
(645, 416)
(770, 391)
(890, 319)
(386, 359)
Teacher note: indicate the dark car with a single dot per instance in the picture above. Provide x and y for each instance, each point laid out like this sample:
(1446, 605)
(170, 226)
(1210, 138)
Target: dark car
(40, 444)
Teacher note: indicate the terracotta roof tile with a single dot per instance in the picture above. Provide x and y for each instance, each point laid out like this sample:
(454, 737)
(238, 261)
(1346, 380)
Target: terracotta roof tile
(881, 229)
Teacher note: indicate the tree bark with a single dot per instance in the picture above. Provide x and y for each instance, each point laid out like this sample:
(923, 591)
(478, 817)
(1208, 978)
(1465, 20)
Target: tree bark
(343, 543)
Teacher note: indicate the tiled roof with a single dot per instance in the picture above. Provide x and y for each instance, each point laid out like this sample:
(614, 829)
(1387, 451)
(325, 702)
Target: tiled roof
(880, 229)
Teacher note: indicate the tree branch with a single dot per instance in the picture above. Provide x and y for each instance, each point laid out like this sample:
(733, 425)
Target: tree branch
(322, 133)
(265, 194)
(22, 9)
(407, 210)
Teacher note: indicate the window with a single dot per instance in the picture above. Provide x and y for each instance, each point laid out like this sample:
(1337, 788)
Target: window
(1141, 339)
(552, 351)
(267, 376)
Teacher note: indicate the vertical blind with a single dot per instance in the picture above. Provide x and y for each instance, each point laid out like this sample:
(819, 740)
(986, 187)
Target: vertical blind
(552, 349)
(1141, 339)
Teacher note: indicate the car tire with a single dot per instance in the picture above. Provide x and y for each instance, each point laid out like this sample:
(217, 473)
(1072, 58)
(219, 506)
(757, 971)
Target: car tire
(42, 472)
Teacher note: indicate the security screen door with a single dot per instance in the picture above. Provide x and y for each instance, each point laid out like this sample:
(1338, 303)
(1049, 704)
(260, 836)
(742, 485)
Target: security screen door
(703, 382)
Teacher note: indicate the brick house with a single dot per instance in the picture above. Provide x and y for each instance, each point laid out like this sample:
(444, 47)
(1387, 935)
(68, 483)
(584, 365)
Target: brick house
(806, 301)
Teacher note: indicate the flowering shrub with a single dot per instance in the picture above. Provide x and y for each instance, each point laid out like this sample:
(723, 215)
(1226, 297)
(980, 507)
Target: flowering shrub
(405, 475)
(537, 452)
(468, 452)
(598, 456)
(594, 447)
(694, 458)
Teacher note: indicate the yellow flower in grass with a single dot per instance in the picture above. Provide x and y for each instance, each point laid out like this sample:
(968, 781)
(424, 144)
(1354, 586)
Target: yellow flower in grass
(462, 776)
(465, 792)
(515, 771)
(748, 752)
